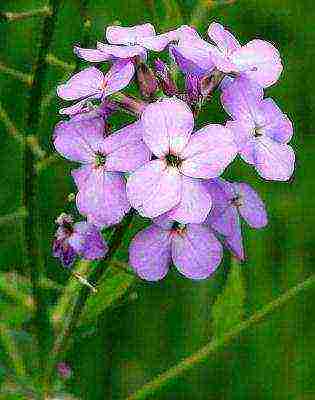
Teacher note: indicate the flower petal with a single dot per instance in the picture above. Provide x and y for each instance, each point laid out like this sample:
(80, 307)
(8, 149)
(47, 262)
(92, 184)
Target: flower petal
(118, 77)
(277, 125)
(274, 161)
(150, 253)
(234, 243)
(260, 60)
(167, 126)
(195, 203)
(129, 157)
(113, 51)
(196, 253)
(87, 241)
(252, 208)
(191, 60)
(159, 42)
(78, 107)
(85, 83)
(91, 55)
(81, 174)
(79, 140)
(209, 152)
(154, 189)
(240, 99)
(226, 222)
(223, 38)
(128, 35)
(103, 198)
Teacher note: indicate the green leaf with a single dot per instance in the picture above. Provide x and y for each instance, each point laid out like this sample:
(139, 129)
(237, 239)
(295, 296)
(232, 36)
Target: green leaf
(228, 309)
(114, 285)
(172, 12)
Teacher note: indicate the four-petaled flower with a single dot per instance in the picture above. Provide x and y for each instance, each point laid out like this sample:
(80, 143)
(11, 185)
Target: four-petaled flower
(173, 181)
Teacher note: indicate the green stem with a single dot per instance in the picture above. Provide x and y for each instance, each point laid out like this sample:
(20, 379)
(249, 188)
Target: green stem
(32, 227)
(13, 16)
(170, 376)
(22, 76)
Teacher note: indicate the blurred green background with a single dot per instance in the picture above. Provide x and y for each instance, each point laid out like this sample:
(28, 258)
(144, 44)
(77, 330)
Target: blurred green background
(132, 330)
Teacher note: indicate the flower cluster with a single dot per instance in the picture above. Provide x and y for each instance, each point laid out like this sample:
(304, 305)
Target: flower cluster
(161, 165)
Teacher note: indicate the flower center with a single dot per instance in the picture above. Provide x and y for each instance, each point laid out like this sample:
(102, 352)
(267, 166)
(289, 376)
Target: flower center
(100, 159)
(237, 200)
(257, 131)
(172, 160)
(179, 228)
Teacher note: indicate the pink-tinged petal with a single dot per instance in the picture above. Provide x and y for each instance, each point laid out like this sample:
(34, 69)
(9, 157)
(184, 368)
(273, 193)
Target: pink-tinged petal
(103, 198)
(128, 158)
(195, 203)
(242, 132)
(159, 42)
(154, 188)
(87, 241)
(234, 243)
(128, 35)
(248, 151)
(241, 100)
(79, 140)
(150, 253)
(191, 61)
(276, 124)
(129, 134)
(164, 221)
(91, 55)
(209, 152)
(118, 77)
(167, 124)
(224, 39)
(81, 175)
(251, 208)
(260, 60)
(113, 51)
(85, 83)
(274, 161)
(196, 252)
(219, 197)
(221, 61)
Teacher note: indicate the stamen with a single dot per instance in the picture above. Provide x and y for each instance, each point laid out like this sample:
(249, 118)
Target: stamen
(173, 160)
(100, 159)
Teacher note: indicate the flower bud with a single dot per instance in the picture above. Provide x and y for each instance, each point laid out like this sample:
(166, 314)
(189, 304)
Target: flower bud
(148, 83)
(192, 83)
(165, 79)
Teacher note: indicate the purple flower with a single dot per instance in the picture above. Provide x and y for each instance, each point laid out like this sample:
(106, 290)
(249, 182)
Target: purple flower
(102, 190)
(192, 248)
(91, 84)
(261, 130)
(173, 181)
(166, 81)
(81, 239)
(258, 60)
(229, 201)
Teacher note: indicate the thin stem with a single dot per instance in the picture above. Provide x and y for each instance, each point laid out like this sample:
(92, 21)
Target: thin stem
(168, 377)
(14, 16)
(56, 62)
(12, 218)
(32, 227)
(22, 76)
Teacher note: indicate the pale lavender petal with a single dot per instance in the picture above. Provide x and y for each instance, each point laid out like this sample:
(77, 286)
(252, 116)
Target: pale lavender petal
(219, 197)
(209, 152)
(128, 35)
(274, 161)
(129, 157)
(87, 241)
(167, 124)
(252, 208)
(164, 221)
(241, 100)
(196, 252)
(190, 63)
(81, 174)
(159, 42)
(221, 61)
(242, 131)
(276, 124)
(154, 188)
(234, 243)
(91, 55)
(150, 253)
(129, 134)
(225, 223)
(195, 202)
(103, 198)
(79, 140)
(85, 83)
(224, 39)
(260, 60)
(118, 77)
(113, 51)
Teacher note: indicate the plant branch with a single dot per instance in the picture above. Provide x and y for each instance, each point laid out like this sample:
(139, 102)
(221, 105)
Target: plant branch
(7, 16)
(168, 377)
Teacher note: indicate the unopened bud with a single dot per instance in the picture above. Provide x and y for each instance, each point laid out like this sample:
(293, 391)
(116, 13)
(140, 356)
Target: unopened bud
(192, 83)
(165, 78)
(148, 83)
